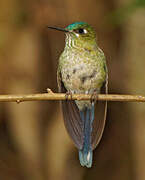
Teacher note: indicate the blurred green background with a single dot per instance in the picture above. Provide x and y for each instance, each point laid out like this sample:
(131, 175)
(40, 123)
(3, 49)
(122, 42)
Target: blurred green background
(33, 142)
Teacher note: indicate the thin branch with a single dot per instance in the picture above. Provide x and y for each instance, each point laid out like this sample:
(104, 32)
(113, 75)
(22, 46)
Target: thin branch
(61, 96)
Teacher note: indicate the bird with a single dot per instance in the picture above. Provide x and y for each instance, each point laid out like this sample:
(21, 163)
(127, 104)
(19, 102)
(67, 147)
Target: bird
(82, 69)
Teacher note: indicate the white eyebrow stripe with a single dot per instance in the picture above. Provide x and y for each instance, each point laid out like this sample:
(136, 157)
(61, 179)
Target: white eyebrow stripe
(85, 31)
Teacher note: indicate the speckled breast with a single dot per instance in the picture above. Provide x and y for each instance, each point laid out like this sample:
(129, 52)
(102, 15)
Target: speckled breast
(82, 72)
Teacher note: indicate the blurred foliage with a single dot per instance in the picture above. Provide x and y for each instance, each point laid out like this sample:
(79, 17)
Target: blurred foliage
(121, 15)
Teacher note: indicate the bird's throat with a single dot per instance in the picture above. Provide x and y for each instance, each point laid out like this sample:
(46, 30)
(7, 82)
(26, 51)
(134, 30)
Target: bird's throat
(79, 43)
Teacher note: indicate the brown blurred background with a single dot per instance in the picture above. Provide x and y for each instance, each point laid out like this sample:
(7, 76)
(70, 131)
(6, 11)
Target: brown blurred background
(33, 142)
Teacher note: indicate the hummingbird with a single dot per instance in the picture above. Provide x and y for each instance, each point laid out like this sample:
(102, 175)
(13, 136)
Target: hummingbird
(82, 69)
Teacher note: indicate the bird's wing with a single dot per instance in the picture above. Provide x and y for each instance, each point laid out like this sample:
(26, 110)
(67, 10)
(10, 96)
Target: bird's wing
(100, 118)
(72, 119)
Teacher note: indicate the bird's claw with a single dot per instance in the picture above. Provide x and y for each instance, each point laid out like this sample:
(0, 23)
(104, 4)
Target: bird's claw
(94, 97)
(67, 95)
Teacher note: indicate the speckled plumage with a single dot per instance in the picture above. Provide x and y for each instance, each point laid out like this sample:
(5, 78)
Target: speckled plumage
(82, 64)
(82, 69)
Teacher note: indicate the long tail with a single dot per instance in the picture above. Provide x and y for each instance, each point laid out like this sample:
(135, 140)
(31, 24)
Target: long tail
(86, 153)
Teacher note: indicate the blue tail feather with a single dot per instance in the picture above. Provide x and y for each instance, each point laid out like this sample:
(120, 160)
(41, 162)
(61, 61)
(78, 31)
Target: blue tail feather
(86, 153)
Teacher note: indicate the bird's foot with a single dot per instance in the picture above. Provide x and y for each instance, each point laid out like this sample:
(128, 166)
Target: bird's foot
(94, 97)
(68, 95)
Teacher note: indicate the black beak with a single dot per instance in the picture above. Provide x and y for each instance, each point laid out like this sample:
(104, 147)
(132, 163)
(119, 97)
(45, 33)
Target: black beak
(58, 29)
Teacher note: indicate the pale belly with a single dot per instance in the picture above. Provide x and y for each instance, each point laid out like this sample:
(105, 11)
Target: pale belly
(82, 72)
(82, 78)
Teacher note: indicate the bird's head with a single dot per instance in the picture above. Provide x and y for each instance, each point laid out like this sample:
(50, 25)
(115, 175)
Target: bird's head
(81, 30)
(78, 34)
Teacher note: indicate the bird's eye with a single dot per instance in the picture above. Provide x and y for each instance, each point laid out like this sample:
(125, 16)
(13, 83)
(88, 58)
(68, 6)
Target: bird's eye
(81, 31)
